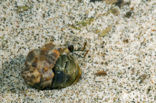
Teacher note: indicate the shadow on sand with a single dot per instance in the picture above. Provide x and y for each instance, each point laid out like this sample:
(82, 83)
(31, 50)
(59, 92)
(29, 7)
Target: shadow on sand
(10, 79)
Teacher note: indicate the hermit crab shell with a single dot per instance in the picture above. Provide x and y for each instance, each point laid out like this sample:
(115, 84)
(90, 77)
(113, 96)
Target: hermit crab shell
(50, 67)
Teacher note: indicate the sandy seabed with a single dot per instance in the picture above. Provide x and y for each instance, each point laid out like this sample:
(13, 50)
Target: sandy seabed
(120, 40)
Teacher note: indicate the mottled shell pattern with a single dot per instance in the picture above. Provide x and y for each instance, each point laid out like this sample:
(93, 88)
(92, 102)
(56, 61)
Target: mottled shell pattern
(50, 67)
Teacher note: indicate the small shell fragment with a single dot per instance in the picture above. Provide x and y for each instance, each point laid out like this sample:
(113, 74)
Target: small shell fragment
(101, 73)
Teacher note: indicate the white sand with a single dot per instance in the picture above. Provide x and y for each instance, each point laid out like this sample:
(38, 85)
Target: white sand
(127, 53)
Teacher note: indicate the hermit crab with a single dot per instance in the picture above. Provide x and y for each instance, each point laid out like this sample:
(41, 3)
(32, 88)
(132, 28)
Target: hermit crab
(51, 67)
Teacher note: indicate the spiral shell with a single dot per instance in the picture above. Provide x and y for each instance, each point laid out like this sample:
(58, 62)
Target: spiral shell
(50, 67)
